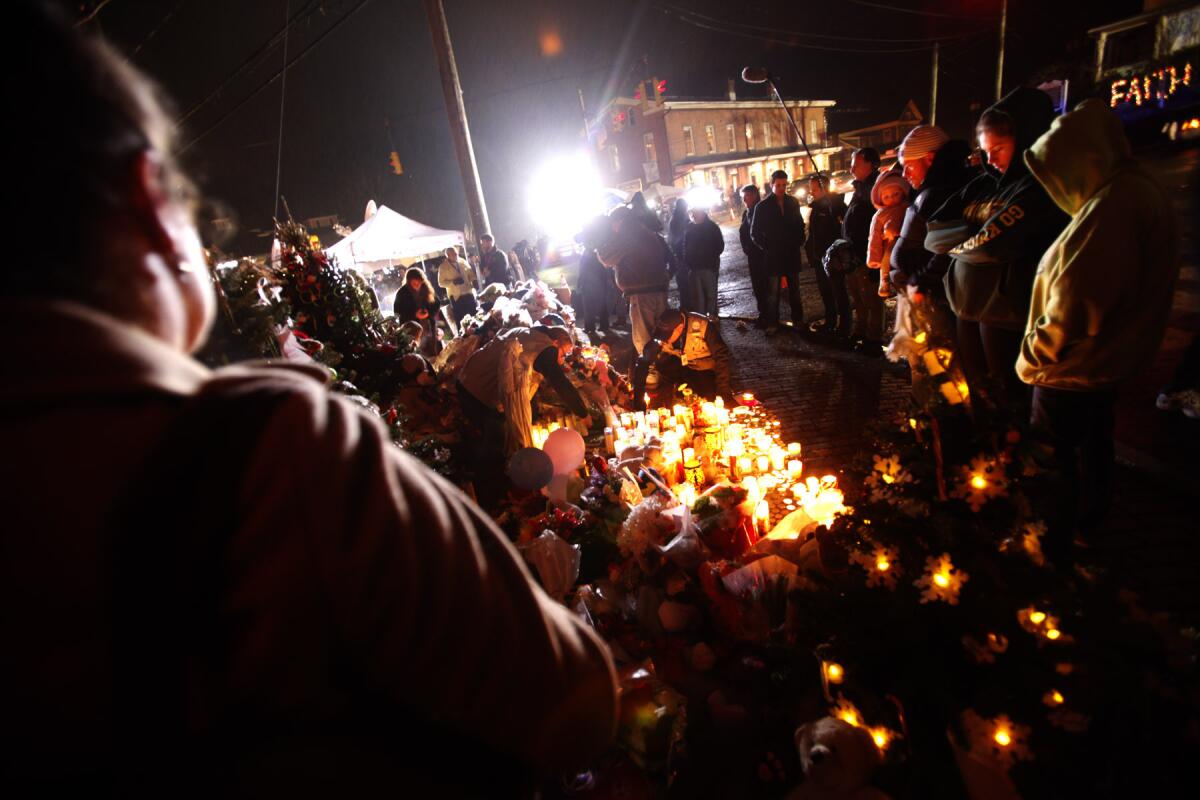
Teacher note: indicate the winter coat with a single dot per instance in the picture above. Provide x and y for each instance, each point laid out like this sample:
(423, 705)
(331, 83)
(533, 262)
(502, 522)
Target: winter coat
(1103, 292)
(408, 302)
(157, 539)
(636, 256)
(885, 225)
(493, 268)
(703, 244)
(997, 228)
(457, 278)
(754, 253)
(780, 234)
(824, 226)
(856, 225)
(911, 263)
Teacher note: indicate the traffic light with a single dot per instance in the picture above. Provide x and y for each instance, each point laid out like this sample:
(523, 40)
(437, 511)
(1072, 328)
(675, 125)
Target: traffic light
(397, 167)
(659, 88)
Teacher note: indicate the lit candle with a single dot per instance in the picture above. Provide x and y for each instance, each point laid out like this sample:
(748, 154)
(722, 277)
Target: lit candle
(794, 467)
(744, 465)
(764, 463)
(793, 449)
(777, 457)
(762, 513)
(689, 455)
(750, 484)
(719, 402)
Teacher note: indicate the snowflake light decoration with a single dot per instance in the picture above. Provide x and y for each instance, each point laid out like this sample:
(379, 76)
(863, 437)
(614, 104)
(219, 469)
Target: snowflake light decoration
(941, 580)
(998, 740)
(882, 566)
(980, 482)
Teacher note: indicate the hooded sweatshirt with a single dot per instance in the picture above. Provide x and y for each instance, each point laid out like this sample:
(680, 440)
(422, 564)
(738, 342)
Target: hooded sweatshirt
(911, 262)
(998, 226)
(1103, 290)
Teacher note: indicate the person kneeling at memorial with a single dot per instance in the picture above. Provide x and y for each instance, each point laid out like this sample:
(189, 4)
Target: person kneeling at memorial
(687, 348)
(230, 582)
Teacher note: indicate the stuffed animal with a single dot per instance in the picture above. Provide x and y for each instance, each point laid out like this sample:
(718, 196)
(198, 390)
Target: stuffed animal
(838, 760)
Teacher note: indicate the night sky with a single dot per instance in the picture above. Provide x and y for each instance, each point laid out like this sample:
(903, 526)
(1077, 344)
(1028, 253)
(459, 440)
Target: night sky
(521, 63)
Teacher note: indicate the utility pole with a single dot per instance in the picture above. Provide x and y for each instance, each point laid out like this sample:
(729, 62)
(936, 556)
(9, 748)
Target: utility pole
(933, 87)
(456, 111)
(1000, 56)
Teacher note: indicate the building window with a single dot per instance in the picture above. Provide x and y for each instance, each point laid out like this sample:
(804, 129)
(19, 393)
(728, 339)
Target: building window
(710, 137)
(749, 135)
(732, 137)
(616, 159)
(767, 135)
(714, 178)
(689, 144)
(648, 144)
(812, 130)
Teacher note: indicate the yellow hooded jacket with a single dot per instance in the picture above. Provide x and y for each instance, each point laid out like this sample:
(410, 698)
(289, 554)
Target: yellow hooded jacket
(1103, 289)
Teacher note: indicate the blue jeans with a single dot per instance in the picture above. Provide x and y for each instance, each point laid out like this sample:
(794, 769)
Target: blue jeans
(704, 291)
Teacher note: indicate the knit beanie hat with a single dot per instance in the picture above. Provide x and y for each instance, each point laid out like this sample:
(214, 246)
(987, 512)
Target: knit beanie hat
(921, 141)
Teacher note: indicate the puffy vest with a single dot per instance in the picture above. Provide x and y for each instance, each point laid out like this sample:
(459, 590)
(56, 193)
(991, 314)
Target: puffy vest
(696, 353)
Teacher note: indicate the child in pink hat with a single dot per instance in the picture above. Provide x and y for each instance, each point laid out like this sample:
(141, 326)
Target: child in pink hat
(890, 196)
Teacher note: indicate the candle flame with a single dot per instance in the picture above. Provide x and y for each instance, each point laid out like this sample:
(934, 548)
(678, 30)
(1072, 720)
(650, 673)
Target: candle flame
(1037, 617)
(883, 565)
(1003, 737)
(942, 579)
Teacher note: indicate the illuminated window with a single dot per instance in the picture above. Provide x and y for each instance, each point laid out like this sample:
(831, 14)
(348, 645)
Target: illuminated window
(648, 144)
(616, 159)
(767, 135)
(812, 130)
(749, 135)
(732, 137)
(710, 137)
(689, 144)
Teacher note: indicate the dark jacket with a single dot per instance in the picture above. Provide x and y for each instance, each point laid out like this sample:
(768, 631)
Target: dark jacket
(912, 264)
(643, 213)
(409, 302)
(824, 226)
(754, 253)
(997, 228)
(780, 234)
(637, 257)
(493, 268)
(677, 227)
(856, 225)
(703, 244)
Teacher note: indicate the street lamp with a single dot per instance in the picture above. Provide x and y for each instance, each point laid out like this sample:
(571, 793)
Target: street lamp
(760, 75)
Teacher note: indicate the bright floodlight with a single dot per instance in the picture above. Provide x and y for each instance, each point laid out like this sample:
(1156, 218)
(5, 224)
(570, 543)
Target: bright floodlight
(564, 194)
(704, 197)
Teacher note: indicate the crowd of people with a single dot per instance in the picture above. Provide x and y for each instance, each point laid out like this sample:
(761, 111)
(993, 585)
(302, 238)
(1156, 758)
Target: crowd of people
(283, 621)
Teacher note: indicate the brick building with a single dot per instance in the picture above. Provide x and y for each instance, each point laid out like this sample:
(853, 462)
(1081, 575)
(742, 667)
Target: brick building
(648, 140)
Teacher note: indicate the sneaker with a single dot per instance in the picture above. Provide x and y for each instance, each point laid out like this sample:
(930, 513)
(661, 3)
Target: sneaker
(821, 326)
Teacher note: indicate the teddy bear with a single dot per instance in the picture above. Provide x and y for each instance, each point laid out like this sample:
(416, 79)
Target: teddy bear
(838, 760)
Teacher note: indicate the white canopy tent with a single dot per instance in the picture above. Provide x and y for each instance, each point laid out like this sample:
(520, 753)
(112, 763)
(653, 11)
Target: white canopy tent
(388, 238)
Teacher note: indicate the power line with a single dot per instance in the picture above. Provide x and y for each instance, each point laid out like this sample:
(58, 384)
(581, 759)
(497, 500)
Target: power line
(253, 59)
(91, 16)
(833, 37)
(918, 12)
(729, 30)
(154, 31)
(258, 89)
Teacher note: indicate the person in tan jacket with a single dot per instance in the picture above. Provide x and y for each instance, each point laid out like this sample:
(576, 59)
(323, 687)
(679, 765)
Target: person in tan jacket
(230, 582)
(1100, 303)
